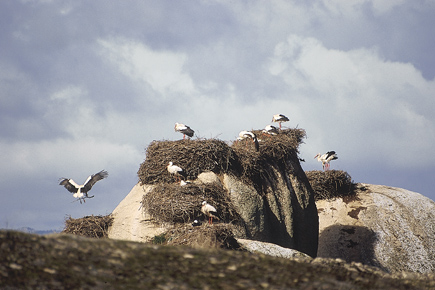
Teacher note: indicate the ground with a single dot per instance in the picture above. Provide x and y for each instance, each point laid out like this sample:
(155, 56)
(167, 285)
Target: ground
(64, 261)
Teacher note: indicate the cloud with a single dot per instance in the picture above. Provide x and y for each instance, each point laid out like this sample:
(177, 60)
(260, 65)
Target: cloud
(372, 105)
(162, 70)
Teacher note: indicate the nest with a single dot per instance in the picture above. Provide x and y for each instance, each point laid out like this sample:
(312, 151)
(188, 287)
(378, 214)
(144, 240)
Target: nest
(330, 184)
(204, 236)
(89, 226)
(274, 149)
(172, 203)
(194, 156)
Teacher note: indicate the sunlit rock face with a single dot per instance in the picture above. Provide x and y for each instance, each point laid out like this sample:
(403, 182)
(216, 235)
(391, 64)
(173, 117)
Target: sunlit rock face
(391, 228)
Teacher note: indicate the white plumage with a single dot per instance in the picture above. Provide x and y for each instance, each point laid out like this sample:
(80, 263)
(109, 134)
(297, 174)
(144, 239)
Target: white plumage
(271, 130)
(175, 170)
(326, 158)
(184, 129)
(249, 135)
(279, 118)
(209, 211)
(81, 191)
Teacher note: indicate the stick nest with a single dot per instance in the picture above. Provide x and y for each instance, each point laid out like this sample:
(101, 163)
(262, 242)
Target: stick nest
(89, 226)
(172, 203)
(201, 155)
(330, 184)
(205, 236)
(193, 156)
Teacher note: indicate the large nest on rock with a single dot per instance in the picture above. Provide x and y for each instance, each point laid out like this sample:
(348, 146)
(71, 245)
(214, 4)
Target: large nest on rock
(204, 236)
(193, 156)
(201, 155)
(275, 149)
(89, 226)
(330, 184)
(172, 203)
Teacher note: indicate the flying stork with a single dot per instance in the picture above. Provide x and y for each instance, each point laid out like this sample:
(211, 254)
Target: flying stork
(209, 211)
(81, 191)
(271, 130)
(176, 171)
(248, 134)
(184, 129)
(279, 118)
(326, 158)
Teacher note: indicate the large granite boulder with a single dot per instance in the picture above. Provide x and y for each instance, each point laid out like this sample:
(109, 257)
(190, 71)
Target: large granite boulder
(266, 194)
(390, 228)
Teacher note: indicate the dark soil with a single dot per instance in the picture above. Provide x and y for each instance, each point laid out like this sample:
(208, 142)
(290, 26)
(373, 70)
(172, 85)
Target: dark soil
(72, 262)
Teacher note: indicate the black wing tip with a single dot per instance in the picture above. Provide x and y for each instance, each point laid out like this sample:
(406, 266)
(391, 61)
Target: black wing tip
(103, 173)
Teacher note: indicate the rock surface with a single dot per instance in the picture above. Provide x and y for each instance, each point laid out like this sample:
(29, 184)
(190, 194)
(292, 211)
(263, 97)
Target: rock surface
(286, 215)
(271, 249)
(390, 228)
(130, 222)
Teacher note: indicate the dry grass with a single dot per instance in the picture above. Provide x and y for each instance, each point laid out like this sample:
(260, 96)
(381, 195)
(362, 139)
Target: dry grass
(89, 226)
(330, 184)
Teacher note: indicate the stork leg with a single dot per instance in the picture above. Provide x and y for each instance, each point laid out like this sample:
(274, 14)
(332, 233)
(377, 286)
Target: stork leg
(184, 136)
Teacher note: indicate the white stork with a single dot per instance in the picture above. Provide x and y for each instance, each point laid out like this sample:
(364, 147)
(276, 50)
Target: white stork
(175, 170)
(184, 129)
(81, 191)
(326, 158)
(271, 130)
(209, 211)
(279, 118)
(248, 134)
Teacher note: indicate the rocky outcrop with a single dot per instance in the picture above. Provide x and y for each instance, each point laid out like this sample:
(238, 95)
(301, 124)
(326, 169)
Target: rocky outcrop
(264, 193)
(271, 218)
(130, 222)
(386, 227)
(271, 249)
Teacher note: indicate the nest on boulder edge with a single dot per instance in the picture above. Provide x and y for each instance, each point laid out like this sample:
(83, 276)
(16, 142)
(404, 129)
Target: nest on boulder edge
(201, 155)
(172, 203)
(89, 226)
(193, 156)
(204, 236)
(273, 149)
(330, 184)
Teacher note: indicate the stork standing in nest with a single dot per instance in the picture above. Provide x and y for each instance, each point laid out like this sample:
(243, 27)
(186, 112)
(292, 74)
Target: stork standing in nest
(270, 130)
(184, 129)
(279, 118)
(209, 211)
(176, 171)
(248, 134)
(326, 158)
(81, 191)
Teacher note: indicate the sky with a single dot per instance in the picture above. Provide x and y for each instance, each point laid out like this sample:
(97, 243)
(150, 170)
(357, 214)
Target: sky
(87, 85)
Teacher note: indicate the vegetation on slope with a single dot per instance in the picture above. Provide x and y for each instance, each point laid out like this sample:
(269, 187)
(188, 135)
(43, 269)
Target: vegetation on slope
(72, 262)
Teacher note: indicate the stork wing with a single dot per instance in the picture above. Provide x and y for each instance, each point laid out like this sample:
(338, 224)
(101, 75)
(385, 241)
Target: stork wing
(189, 132)
(93, 179)
(68, 185)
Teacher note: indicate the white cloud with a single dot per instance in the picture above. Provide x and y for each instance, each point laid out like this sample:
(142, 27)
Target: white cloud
(162, 70)
(358, 99)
